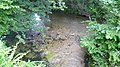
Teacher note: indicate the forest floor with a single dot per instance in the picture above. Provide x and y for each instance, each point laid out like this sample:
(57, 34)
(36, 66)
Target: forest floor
(63, 40)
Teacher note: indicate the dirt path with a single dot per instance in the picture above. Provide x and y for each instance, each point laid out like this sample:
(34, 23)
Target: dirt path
(63, 40)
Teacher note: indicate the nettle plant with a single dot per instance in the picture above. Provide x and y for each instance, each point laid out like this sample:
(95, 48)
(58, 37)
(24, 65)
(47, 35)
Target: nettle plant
(103, 42)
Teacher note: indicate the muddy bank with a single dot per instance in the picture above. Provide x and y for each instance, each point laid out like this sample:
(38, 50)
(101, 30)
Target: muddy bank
(63, 40)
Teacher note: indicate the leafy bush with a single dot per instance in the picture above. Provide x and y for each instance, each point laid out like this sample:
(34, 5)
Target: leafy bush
(76, 6)
(19, 15)
(6, 20)
(9, 59)
(103, 43)
(105, 11)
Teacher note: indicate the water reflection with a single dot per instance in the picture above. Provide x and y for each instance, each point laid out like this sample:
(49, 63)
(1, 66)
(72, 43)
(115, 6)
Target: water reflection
(37, 17)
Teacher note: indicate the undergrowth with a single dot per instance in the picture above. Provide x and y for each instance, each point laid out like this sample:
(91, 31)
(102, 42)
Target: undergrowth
(9, 59)
(103, 42)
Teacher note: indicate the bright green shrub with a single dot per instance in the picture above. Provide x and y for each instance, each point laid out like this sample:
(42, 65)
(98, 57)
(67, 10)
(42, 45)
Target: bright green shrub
(9, 59)
(103, 43)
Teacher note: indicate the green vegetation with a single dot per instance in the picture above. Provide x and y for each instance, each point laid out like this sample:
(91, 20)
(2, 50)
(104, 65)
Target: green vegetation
(108, 11)
(76, 6)
(6, 20)
(19, 16)
(103, 43)
(9, 59)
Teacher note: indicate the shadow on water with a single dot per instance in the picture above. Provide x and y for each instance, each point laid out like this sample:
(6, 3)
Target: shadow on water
(63, 35)
(61, 44)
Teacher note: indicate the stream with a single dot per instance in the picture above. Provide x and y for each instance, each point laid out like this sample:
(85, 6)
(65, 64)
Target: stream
(63, 40)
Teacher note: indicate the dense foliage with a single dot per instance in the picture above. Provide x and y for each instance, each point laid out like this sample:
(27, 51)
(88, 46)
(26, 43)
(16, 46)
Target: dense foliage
(108, 11)
(76, 6)
(19, 15)
(6, 20)
(103, 43)
(9, 59)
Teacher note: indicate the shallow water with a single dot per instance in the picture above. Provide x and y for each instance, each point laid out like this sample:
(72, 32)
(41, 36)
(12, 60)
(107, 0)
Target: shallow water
(63, 40)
